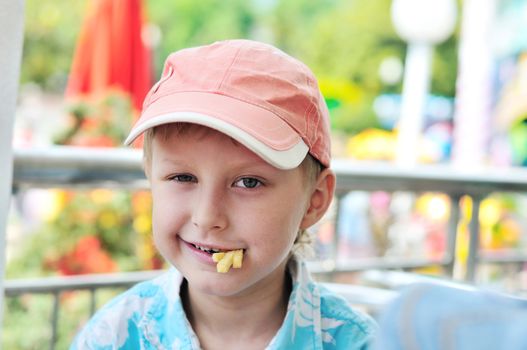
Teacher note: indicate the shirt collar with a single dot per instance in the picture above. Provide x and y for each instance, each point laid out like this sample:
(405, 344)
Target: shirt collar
(301, 327)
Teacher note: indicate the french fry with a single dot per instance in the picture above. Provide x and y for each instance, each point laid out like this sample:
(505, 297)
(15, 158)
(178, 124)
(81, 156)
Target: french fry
(225, 260)
(216, 257)
(224, 265)
(237, 259)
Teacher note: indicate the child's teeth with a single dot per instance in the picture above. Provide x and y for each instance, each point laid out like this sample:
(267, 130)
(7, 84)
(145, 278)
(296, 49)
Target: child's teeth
(207, 250)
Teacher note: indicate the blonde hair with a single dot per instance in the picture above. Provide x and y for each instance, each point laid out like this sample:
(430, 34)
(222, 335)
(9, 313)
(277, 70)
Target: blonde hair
(311, 167)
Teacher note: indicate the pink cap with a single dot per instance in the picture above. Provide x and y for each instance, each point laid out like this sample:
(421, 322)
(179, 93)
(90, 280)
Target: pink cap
(258, 95)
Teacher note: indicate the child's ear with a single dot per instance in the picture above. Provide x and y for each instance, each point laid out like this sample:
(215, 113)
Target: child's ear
(321, 198)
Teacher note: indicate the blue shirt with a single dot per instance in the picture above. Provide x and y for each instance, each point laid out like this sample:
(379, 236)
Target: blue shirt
(151, 316)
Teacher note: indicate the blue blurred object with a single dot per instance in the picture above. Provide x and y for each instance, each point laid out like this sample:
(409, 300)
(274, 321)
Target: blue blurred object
(353, 228)
(387, 107)
(438, 317)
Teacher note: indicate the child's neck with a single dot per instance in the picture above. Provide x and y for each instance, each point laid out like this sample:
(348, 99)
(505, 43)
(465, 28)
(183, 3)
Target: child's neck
(246, 322)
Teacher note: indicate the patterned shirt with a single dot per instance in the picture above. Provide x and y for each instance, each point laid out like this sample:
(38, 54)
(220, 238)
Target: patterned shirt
(151, 316)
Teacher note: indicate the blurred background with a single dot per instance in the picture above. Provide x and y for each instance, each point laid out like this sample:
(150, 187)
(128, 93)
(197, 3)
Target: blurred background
(428, 104)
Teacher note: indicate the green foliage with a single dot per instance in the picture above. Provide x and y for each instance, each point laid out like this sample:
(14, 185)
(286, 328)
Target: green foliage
(292, 22)
(74, 311)
(444, 68)
(347, 40)
(49, 41)
(104, 122)
(189, 23)
(83, 214)
(17, 311)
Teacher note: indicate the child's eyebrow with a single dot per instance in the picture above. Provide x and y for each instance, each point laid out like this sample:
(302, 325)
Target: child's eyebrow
(173, 161)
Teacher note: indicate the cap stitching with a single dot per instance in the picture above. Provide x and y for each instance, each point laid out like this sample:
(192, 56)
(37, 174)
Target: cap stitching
(309, 130)
(150, 97)
(312, 105)
(228, 70)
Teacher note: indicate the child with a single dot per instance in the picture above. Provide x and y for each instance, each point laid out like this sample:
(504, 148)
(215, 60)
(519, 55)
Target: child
(237, 154)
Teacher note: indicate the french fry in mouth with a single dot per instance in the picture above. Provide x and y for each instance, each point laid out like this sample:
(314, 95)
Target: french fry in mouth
(216, 257)
(225, 263)
(225, 260)
(237, 259)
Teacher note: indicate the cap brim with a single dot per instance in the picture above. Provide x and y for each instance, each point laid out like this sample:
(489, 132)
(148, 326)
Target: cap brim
(258, 129)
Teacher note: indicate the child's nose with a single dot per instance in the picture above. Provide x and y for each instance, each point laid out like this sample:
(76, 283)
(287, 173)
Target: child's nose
(208, 210)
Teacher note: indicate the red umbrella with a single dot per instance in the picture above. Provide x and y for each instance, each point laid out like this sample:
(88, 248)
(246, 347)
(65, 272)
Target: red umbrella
(110, 53)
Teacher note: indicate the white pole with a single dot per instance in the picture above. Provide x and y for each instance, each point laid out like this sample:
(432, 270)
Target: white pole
(415, 90)
(422, 24)
(11, 40)
(472, 117)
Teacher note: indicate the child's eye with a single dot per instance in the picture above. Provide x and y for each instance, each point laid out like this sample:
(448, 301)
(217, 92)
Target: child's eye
(248, 182)
(183, 178)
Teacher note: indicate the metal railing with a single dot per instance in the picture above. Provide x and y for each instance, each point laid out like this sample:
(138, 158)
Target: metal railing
(73, 167)
(55, 286)
(68, 167)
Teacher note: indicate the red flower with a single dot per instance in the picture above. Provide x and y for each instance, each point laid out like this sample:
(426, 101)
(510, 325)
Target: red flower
(86, 257)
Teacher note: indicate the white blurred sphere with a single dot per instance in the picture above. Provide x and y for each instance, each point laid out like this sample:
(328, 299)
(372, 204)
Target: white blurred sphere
(424, 21)
(391, 70)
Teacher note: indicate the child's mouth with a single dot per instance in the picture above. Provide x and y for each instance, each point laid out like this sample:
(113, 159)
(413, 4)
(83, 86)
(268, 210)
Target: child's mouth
(224, 258)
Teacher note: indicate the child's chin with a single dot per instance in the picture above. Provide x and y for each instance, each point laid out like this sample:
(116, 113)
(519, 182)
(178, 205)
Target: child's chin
(219, 287)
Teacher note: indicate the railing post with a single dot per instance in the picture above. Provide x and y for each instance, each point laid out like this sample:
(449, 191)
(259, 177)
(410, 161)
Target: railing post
(93, 301)
(11, 40)
(453, 222)
(473, 248)
(336, 228)
(331, 263)
(55, 320)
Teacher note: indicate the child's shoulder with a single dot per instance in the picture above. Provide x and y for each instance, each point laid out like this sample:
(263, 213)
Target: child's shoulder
(142, 294)
(121, 320)
(336, 310)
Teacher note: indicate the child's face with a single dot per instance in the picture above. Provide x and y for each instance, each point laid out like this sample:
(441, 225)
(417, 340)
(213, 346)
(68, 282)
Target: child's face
(210, 191)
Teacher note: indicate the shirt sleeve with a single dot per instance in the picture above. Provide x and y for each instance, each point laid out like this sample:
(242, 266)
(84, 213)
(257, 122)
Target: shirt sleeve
(115, 326)
(123, 322)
